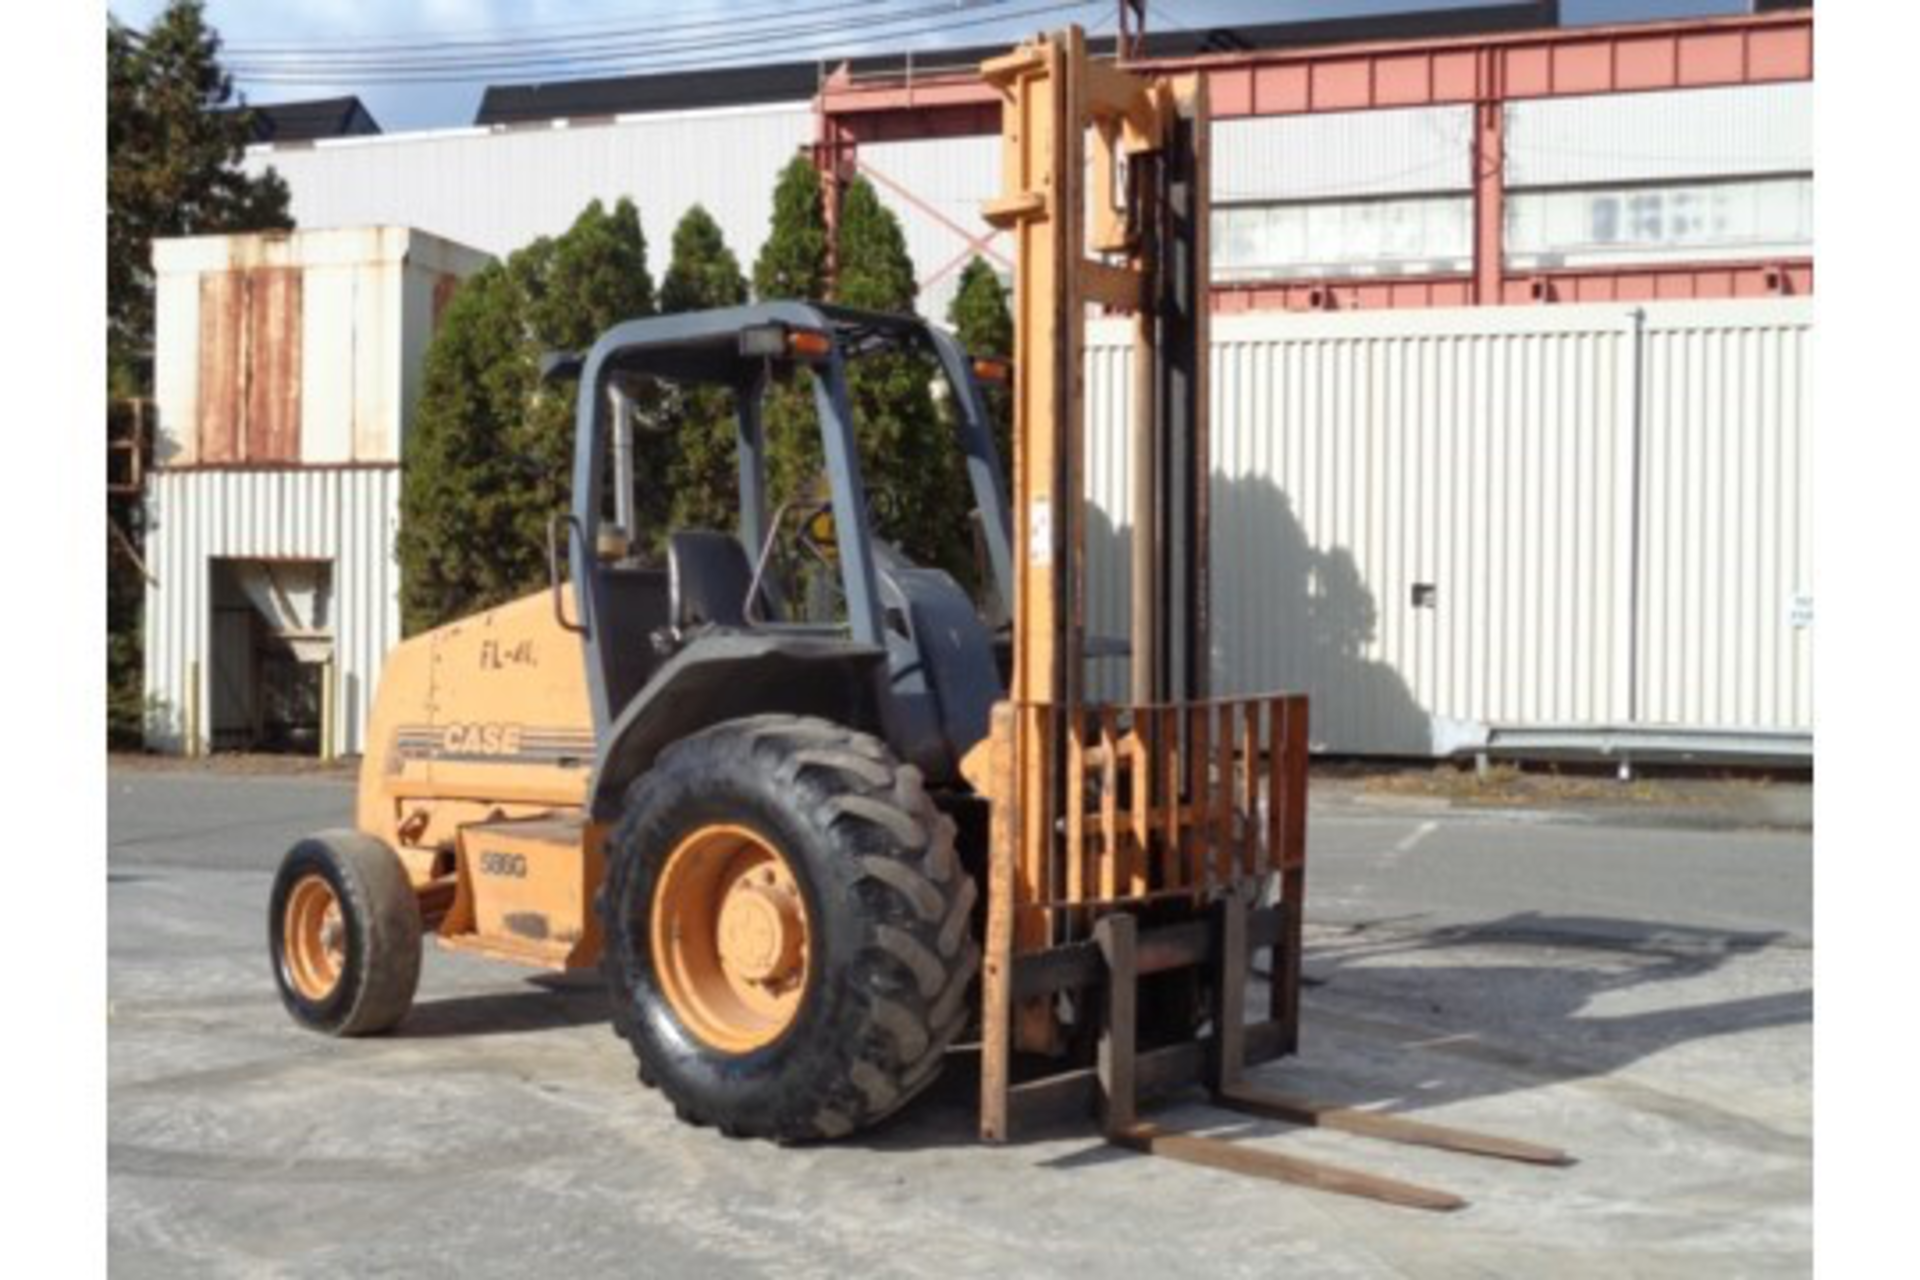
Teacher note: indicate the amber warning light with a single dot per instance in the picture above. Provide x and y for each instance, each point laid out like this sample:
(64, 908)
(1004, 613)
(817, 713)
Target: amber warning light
(776, 341)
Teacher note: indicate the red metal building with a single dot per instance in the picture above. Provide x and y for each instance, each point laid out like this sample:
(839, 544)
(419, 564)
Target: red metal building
(1491, 80)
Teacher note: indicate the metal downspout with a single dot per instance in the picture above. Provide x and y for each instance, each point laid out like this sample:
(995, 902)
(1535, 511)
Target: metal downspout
(1635, 506)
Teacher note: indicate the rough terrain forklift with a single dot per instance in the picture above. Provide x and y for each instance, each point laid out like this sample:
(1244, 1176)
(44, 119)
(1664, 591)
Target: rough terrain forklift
(768, 815)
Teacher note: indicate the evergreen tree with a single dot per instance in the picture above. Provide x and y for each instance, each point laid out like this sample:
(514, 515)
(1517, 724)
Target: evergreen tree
(174, 144)
(914, 474)
(489, 458)
(792, 266)
(911, 464)
(793, 261)
(173, 152)
(980, 316)
(704, 476)
(703, 273)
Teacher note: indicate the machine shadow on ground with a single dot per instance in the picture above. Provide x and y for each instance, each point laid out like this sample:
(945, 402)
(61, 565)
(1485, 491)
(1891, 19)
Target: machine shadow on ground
(547, 1003)
(1481, 1013)
(1444, 1033)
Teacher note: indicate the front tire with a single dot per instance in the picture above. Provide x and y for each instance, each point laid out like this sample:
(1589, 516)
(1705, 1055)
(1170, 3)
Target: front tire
(343, 928)
(789, 930)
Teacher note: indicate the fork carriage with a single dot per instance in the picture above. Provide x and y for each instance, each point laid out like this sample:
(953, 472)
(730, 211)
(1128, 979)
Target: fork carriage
(1168, 826)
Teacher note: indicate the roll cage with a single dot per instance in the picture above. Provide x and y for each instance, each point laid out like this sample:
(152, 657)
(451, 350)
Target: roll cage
(742, 349)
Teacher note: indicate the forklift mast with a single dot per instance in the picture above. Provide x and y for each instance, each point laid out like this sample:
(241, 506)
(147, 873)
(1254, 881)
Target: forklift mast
(1160, 817)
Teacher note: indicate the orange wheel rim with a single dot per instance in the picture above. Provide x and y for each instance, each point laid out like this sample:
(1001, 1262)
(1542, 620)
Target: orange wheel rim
(731, 939)
(315, 938)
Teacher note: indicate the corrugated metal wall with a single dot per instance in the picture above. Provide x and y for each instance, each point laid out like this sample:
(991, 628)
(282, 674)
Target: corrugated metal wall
(1728, 570)
(1489, 455)
(1487, 458)
(346, 516)
(499, 189)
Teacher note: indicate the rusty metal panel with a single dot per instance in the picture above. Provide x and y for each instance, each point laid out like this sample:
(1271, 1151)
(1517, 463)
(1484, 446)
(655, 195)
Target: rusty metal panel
(296, 348)
(426, 291)
(249, 367)
(221, 404)
(272, 365)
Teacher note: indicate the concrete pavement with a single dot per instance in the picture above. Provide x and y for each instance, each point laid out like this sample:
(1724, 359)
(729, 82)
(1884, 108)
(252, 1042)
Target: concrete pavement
(1639, 995)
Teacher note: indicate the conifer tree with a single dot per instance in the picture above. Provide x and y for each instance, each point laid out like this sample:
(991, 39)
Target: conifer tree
(704, 479)
(915, 477)
(792, 266)
(490, 454)
(980, 316)
(174, 141)
(911, 464)
(793, 261)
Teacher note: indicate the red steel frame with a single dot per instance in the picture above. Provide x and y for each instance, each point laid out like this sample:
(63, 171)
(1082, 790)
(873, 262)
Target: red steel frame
(1486, 72)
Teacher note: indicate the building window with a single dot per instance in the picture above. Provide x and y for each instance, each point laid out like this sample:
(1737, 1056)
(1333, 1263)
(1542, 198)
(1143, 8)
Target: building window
(1400, 236)
(1692, 221)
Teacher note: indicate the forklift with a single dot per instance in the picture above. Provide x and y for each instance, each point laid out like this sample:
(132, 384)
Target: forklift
(820, 843)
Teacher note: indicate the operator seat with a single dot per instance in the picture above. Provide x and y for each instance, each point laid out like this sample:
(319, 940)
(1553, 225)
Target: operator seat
(708, 577)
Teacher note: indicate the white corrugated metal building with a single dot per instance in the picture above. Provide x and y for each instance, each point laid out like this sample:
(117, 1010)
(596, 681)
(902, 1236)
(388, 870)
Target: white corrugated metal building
(286, 370)
(498, 188)
(1441, 523)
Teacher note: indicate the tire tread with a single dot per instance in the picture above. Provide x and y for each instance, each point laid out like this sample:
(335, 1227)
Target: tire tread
(917, 961)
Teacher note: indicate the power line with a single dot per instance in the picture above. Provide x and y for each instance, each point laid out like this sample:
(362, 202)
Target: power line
(530, 33)
(551, 37)
(809, 39)
(638, 44)
(639, 48)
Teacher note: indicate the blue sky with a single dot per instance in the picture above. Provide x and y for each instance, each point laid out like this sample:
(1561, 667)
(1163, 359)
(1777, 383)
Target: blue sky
(330, 24)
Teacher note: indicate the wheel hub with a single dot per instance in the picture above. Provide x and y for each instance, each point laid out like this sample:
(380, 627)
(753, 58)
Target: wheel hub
(761, 930)
(730, 938)
(315, 938)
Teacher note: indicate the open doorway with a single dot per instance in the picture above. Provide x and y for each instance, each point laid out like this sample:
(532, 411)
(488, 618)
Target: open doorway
(271, 660)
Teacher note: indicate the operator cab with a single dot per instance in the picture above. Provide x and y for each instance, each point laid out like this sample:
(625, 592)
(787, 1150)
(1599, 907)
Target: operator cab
(803, 602)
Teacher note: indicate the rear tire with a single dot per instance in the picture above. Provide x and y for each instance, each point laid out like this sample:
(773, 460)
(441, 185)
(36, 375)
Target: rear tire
(343, 928)
(889, 946)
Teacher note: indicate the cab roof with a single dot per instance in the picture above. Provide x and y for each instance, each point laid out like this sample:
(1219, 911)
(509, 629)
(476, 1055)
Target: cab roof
(705, 346)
